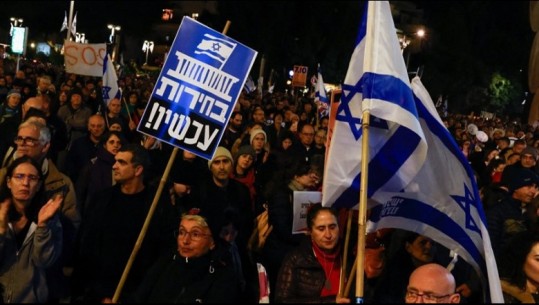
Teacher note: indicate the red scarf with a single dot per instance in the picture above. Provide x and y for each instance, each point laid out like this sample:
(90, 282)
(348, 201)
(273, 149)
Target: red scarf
(331, 263)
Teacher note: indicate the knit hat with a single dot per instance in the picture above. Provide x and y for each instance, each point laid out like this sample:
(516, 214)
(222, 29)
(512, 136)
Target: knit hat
(220, 152)
(520, 177)
(529, 151)
(245, 150)
(13, 92)
(254, 132)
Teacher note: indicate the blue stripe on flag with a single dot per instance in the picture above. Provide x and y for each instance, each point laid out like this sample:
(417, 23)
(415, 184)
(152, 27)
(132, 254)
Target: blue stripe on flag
(425, 213)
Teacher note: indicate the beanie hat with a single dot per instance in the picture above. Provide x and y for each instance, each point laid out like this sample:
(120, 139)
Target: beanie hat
(254, 132)
(220, 152)
(520, 177)
(245, 150)
(529, 151)
(13, 92)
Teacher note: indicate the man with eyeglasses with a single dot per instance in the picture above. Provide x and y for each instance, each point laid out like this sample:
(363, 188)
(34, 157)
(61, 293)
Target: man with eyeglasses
(431, 283)
(8, 128)
(34, 140)
(304, 148)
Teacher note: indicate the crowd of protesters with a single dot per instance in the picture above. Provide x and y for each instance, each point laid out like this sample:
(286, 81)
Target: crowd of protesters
(222, 229)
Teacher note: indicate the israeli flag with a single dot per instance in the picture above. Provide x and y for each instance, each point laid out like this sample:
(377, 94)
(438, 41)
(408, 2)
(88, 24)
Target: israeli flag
(409, 148)
(377, 82)
(110, 81)
(320, 95)
(216, 48)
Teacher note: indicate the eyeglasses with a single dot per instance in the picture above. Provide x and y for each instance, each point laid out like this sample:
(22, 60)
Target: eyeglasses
(412, 296)
(26, 141)
(22, 177)
(195, 235)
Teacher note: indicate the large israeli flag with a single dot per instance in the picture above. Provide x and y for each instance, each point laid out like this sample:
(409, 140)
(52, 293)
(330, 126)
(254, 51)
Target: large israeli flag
(376, 81)
(446, 207)
(418, 178)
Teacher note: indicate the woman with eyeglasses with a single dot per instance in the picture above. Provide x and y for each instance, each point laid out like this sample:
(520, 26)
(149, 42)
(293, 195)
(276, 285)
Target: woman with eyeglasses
(30, 234)
(200, 270)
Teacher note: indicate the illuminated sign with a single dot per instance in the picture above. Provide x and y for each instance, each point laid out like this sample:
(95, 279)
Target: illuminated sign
(18, 40)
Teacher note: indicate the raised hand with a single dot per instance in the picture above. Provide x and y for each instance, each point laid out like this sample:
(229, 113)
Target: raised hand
(49, 209)
(4, 219)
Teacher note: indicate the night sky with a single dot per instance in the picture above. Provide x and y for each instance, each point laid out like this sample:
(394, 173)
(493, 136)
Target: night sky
(492, 33)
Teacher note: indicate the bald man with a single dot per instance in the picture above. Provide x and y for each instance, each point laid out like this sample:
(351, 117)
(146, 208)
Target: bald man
(431, 283)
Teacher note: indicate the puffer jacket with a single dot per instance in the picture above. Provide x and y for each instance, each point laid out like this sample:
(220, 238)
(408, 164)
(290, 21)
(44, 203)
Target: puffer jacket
(301, 277)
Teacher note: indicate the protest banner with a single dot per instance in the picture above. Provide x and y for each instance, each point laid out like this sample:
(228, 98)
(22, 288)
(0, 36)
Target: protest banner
(197, 88)
(84, 58)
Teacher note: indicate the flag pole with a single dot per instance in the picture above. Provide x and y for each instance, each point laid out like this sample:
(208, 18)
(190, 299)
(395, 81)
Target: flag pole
(127, 108)
(70, 20)
(142, 234)
(345, 255)
(362, 219)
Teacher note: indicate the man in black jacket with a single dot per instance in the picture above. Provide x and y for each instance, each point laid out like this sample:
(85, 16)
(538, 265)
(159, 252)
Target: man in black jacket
(111, 225)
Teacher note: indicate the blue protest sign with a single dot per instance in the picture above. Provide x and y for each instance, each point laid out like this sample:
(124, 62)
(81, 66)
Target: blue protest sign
(197, 88)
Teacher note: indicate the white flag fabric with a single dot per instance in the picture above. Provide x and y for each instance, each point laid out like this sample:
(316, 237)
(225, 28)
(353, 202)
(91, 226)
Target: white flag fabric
(320, 96)
(64, 24)
(74, 25)
(110, 81)
(418, 179)
(249, 85)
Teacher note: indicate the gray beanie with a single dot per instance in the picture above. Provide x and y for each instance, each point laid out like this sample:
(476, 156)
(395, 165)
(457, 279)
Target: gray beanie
(245, 150)
(220, 152)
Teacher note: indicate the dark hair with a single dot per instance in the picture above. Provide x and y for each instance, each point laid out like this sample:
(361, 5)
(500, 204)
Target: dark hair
(513, 257)
(140, 155)
(111, 133)
(5, 192)
(316, 209)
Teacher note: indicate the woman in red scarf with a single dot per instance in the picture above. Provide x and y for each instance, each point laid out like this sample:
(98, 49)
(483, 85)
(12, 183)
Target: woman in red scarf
(311, 272)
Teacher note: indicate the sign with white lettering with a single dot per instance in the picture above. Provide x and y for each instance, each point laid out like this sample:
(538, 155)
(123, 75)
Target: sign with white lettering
(197, 88)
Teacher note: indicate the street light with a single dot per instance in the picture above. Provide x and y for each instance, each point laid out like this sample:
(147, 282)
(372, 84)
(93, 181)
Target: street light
(15, 22)
(113, 28)
(194, 16)
(147, 47)
(406, 39)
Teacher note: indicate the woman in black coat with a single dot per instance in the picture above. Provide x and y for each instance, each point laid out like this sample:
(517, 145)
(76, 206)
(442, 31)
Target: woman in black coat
(200, 271)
